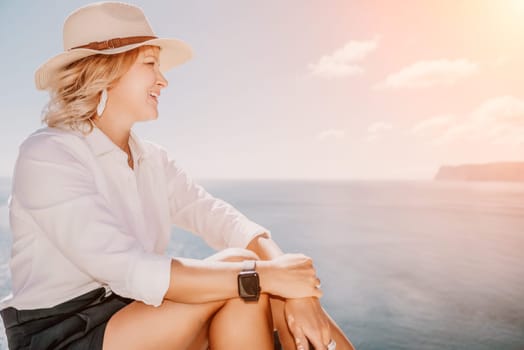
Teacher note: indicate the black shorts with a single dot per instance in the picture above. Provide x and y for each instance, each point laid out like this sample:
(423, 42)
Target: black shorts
(78, 323)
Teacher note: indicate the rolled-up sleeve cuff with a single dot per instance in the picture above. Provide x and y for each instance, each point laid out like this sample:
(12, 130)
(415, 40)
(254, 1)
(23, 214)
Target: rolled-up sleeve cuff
(150, 277)
(249, 230)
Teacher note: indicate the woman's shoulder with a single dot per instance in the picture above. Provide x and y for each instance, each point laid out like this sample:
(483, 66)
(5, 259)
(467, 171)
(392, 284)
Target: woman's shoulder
(153, 147)
(159, 155)
(48, 140)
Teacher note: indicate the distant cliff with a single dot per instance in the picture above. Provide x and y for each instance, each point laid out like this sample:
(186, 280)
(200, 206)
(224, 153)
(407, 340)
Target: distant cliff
(507, 171)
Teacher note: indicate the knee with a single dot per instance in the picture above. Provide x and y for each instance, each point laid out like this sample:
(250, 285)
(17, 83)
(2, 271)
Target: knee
(262, 301)
(234, 255)
(246, 321)
(262, 306)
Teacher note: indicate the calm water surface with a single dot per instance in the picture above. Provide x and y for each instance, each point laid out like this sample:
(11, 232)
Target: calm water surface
(404, 265)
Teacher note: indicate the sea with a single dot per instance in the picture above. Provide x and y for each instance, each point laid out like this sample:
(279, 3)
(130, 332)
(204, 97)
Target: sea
(403, 264)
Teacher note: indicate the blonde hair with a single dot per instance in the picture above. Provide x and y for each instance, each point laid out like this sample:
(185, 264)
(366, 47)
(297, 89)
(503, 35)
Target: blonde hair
(75, 91)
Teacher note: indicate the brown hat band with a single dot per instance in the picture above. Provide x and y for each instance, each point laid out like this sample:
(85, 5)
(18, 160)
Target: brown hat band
(114, 43)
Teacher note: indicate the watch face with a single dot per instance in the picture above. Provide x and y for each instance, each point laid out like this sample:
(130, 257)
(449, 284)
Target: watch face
(249, 284)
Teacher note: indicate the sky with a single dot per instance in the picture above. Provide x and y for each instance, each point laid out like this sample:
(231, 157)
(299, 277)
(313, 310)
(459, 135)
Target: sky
(303, 89)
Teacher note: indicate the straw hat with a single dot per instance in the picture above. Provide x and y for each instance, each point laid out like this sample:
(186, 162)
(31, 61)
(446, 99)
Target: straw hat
(109, 28)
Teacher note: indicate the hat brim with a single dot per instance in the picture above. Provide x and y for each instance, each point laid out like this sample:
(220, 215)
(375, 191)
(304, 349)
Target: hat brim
(173, 52)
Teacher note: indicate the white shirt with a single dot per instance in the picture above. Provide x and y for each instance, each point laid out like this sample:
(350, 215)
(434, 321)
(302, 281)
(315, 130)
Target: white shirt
(81, 218)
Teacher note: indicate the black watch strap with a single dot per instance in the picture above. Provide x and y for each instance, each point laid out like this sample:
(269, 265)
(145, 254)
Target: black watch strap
(249, 265)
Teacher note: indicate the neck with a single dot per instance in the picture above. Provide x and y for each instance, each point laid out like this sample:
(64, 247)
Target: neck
(116, 133)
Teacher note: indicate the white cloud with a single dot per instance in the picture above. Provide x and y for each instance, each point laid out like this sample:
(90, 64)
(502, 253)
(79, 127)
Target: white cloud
(331, 134)
(511, 137)
(499, 120)
(341, 63)
(430, 73)
(432, 125)
(459, 131)
(505, 109)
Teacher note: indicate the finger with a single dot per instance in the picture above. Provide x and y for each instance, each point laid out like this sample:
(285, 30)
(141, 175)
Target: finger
(325, 330)
(304, 259)
(298, 334)
(315, 339)
(302, 343)
(316, 344)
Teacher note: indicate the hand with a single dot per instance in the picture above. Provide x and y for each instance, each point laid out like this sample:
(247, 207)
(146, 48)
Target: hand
(307, 321)
(289, 276)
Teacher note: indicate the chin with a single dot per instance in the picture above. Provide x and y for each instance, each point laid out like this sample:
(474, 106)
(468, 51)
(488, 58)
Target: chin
(149, 117)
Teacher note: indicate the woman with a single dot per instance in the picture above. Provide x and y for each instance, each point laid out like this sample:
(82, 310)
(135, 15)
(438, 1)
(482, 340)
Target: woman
(91, 209)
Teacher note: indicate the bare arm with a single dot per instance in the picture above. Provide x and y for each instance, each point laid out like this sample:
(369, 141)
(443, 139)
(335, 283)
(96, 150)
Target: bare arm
(200, 281)
(265, 248)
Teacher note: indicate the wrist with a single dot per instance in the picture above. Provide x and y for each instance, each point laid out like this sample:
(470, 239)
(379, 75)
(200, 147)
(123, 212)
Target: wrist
(248, 281)
(264, 269)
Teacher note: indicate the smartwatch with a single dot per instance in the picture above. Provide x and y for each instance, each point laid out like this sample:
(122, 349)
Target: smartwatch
(248, 282)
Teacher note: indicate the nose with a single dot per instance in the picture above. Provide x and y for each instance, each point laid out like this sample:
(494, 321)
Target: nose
(161, 80)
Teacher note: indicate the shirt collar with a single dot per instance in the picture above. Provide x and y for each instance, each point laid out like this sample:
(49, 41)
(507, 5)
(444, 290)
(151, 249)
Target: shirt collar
(137, 146)
(101, 144)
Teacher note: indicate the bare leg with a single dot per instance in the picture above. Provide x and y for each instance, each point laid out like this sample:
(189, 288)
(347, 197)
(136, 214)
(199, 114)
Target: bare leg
(286, 338)
(240, 325)
(186, 326)
(238, 322)
(169, 326)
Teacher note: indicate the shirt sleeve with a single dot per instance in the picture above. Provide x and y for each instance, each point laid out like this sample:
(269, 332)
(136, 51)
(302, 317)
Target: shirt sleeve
(56, 187)
(194, 209)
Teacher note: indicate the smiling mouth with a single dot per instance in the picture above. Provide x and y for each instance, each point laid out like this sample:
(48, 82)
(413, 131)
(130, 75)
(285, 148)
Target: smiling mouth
(154, 96)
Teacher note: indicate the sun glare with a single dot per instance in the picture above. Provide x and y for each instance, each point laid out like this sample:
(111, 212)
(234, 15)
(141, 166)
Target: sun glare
(519, 6)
